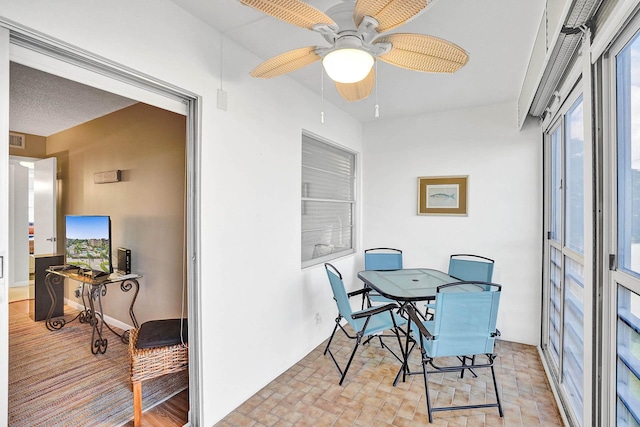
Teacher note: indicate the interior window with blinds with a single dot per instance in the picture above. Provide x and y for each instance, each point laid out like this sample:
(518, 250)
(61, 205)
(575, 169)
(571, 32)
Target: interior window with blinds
(328, 200)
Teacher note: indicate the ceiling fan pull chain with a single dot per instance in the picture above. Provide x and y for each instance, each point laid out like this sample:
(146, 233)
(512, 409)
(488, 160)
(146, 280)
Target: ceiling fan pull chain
(321, 95)
(376, 113)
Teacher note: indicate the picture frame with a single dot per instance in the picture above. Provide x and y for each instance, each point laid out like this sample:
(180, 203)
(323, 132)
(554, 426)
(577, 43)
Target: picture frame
(442, 195)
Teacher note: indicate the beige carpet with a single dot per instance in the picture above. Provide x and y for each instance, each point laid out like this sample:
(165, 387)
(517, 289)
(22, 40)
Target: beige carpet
(54, 380)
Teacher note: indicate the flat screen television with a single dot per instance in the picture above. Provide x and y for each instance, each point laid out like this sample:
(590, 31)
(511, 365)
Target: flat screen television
(88, 242)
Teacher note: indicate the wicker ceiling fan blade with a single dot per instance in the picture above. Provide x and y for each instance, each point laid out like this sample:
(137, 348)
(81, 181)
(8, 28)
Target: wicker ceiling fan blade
(419, 52)
(295, 12)
(358, 90)
(389, 13)
(286, 62)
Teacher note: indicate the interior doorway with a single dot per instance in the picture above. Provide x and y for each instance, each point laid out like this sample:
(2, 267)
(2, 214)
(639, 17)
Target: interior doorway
(187, 105)
(28, 174)
(20, 222)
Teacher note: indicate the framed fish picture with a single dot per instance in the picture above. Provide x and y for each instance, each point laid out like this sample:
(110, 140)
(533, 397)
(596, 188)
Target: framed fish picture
(442, 195)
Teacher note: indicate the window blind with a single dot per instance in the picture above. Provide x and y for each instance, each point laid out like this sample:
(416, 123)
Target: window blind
(328, 198)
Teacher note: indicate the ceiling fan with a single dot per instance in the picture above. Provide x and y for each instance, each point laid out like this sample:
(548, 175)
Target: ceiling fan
(355, 33)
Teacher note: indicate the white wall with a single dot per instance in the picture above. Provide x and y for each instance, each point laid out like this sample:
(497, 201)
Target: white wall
(261, 306)
(505, 197)
(258, 305)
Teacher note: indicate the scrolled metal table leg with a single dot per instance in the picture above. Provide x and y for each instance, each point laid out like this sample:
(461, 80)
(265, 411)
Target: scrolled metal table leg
(86, 315)
(57, 323)
(98, 344)
(126, 286)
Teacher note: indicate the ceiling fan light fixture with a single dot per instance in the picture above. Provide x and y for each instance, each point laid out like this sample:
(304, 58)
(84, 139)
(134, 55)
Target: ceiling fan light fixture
(348, 65)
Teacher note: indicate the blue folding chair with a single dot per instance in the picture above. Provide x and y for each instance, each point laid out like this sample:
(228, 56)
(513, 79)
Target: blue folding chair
(367, 323)
(471, 267)
(468, 267)
(464, 324)
(381, 259)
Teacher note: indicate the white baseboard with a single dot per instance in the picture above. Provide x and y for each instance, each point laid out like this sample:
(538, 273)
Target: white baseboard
(19, 284)
(110, 320)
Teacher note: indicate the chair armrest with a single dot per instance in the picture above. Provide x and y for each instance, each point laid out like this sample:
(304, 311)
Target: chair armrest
(418, 322)
(358, 292)
(373, 310)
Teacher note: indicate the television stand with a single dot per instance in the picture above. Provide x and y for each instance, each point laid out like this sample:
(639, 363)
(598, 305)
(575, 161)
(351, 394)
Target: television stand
(92, 290)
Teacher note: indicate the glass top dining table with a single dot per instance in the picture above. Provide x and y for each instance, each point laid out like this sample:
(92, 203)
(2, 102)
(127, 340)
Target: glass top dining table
(406, 285)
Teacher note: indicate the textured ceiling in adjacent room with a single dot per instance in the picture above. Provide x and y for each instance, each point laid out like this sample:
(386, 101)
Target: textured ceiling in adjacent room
(44, 104)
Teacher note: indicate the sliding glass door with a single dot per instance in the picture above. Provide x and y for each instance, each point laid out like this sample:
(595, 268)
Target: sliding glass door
(563, 337)
(4, 224)
(625, 259)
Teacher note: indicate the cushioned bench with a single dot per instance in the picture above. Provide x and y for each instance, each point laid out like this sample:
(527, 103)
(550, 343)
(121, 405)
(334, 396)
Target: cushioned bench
(156, 349)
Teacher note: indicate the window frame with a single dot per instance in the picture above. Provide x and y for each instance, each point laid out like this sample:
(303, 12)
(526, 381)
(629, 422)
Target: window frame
(614, 278)
(556, 365)
(352, 202)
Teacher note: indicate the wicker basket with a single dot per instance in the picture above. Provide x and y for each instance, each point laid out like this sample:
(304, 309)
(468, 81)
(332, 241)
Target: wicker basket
(147, 363)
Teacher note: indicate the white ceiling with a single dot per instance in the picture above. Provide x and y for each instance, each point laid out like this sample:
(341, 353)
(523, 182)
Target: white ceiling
(498, 35)
(44, 104)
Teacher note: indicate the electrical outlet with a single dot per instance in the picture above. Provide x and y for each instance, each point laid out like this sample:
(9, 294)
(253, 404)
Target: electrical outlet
(318, 319)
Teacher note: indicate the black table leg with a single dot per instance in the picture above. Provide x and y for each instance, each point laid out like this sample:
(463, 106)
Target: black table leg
(404, 369)
(50, 281)
(126, 286)
(98, 344)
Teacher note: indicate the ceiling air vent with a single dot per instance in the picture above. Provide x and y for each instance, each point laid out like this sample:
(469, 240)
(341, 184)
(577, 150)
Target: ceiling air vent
(16, 140)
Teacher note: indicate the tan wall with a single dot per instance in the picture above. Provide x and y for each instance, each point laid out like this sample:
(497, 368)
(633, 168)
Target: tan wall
(146, 208)
(34, 146)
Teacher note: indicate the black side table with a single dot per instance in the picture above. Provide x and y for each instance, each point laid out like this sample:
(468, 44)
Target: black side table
(39, 299)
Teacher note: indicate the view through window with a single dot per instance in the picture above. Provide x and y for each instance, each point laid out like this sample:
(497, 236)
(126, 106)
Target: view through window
(628, 222)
